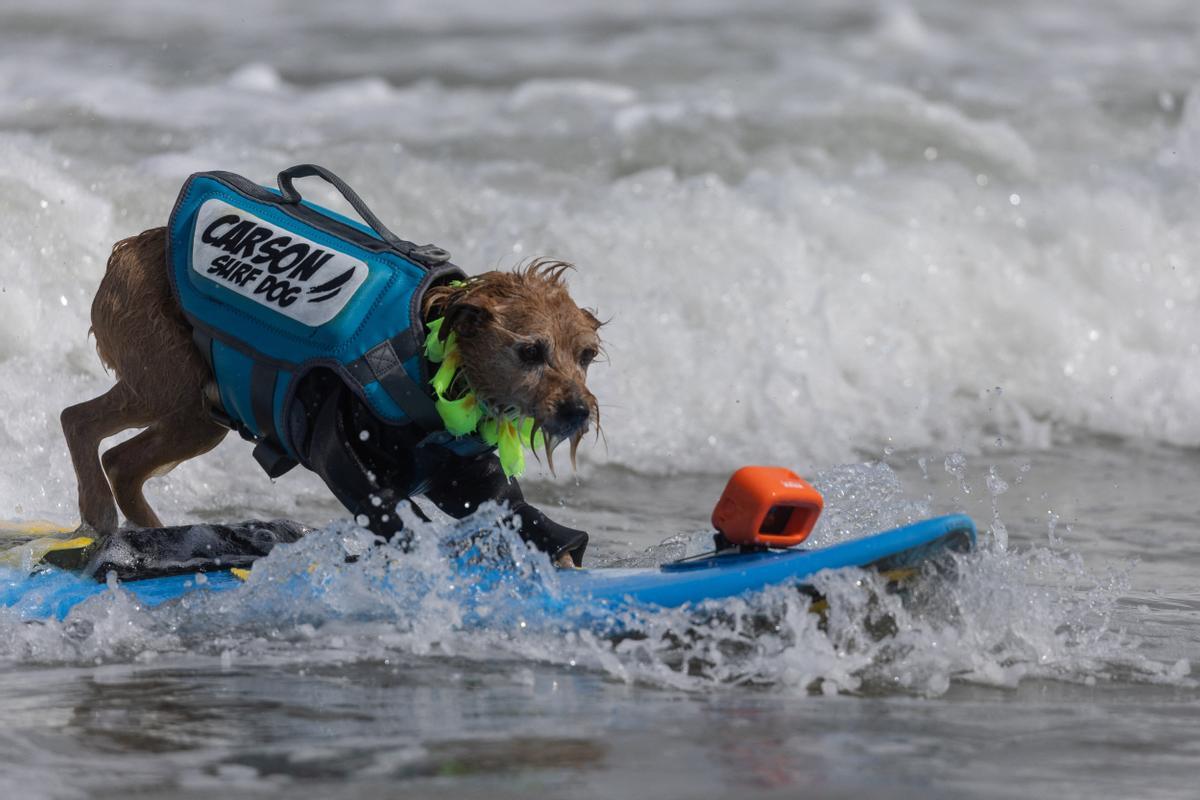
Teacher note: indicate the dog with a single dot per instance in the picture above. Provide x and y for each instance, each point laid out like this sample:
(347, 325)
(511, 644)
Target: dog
(525, 347)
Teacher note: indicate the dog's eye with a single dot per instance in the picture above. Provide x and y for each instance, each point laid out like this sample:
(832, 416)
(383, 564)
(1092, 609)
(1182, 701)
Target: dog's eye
(587, 356)
(532, 353)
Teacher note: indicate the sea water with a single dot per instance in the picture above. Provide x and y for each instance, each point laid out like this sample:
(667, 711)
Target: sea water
(938, 256)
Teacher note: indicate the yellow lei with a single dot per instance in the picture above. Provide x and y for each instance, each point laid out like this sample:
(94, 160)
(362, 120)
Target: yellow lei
(465, 414)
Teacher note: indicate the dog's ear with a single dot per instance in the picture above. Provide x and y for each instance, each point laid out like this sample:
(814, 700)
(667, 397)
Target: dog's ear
(464, 318)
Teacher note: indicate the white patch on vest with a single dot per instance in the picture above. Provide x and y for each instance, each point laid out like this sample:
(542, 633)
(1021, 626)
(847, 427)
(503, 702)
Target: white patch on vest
(278, 269)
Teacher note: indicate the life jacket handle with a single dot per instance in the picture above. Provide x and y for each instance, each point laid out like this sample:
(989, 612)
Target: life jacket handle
(429, 254)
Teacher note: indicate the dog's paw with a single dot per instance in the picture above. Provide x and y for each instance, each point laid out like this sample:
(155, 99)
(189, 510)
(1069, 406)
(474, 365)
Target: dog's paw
(85, 529)
(565, 561)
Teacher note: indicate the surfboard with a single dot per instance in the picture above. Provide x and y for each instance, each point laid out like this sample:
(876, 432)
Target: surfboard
(586, 597)
(727, 575)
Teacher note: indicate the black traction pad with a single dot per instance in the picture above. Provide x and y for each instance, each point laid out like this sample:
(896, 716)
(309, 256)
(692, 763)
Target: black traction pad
(140, 553)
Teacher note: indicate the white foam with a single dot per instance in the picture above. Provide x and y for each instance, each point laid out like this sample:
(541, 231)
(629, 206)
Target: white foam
(1005, 617)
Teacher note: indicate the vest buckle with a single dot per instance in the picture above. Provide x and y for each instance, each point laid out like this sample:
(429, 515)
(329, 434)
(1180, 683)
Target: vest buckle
(430, 254)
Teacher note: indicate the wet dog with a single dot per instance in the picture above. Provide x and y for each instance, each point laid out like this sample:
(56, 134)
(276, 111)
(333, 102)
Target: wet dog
(525, 347)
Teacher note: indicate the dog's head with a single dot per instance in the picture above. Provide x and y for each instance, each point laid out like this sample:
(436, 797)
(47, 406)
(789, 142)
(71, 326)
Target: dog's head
(526, 347)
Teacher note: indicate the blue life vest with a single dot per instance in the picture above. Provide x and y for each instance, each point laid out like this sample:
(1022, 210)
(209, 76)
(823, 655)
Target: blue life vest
(275, 286)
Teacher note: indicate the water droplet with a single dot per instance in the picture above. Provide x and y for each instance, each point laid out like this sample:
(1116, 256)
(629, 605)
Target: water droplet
(956, 465)
(1052, 529)
(1014, 199)
(996, 484)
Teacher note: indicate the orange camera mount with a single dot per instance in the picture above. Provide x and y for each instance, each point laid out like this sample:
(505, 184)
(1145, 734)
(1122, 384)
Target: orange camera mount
(764, 507)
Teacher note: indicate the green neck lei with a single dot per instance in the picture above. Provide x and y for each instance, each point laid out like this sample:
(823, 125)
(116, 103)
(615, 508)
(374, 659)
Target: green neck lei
(464, 414)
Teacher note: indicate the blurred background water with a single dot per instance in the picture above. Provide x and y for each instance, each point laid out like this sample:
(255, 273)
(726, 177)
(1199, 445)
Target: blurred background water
(939, 255)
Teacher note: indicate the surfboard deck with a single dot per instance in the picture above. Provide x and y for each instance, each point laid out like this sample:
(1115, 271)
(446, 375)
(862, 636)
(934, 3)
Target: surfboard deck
(585, 595)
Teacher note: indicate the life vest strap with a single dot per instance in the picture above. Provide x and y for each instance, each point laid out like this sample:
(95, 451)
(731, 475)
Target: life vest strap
(203, 343)
(404, 345)
(262, 399)
(271, 457)
(387, 367)
(269, 453)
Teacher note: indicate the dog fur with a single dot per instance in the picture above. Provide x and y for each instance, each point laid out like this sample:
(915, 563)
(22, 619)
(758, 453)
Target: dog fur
(526, 346)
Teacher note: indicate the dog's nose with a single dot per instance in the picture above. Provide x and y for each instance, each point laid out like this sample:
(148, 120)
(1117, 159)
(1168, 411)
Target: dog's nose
(572, 414)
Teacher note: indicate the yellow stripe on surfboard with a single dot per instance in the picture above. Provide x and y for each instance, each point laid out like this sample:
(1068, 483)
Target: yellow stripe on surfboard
(26, 554)
(32, 529)
(23, 543)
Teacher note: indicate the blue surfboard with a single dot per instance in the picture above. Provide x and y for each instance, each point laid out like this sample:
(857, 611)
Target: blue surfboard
(719, 576)
(585, 596)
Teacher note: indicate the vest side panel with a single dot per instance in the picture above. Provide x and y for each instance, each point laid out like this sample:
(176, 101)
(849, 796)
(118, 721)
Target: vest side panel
(232, 372)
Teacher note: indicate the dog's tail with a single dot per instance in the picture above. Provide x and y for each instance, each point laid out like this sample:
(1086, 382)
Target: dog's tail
(104, 305)
(133, 302)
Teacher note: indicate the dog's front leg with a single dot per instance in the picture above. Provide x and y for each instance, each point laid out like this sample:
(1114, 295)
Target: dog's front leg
(464, 483)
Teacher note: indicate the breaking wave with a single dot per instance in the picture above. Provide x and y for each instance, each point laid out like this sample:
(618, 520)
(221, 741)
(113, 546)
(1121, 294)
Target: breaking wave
(827, 239)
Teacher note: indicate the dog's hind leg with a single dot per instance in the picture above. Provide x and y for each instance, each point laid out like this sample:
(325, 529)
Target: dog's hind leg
(143, 336)
(153, 452)
(85, 425)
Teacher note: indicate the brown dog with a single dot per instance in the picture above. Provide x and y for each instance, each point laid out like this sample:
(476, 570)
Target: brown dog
(526, 347)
